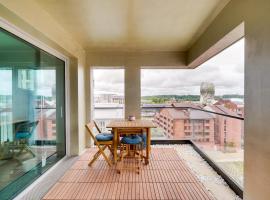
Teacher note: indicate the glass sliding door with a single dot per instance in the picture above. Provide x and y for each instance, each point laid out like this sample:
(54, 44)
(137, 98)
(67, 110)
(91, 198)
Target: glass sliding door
(32, 113)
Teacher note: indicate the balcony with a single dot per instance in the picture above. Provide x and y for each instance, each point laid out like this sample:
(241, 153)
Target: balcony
(159, 180)
(49, 51)
(169, 175)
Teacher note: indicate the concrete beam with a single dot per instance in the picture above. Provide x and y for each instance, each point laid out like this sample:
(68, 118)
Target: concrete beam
(147, 59)
(234, 35)
(225, 22)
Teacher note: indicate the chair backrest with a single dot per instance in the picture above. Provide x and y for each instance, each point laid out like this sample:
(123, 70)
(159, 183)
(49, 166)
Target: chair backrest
(90, 126)
(98, 129)
(27, 127)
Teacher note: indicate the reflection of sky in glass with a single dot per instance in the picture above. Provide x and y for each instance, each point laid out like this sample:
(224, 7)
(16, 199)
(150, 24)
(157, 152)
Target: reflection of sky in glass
(45, 82)
(6, 82)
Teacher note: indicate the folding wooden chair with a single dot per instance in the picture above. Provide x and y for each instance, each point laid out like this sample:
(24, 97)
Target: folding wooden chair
(101, 140)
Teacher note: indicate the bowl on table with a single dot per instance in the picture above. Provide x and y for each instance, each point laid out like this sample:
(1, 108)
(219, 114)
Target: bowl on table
(131, 118)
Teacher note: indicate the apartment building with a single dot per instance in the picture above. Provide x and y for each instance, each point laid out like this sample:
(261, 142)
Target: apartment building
(228, 131)
(200, 126)
(186, 124)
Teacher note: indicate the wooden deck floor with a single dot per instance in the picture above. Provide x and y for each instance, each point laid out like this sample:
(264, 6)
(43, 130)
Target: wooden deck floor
(166, 177)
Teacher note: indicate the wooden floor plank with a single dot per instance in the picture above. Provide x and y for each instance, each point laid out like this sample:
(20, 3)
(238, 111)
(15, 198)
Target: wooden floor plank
(53, 192)
(88, 190)
(166, 177)
(80, 193)
(198, 192)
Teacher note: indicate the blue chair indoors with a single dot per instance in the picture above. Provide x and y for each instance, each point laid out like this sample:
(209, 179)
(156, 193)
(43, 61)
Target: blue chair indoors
(23, 133)
(101, 140)
(130, 153)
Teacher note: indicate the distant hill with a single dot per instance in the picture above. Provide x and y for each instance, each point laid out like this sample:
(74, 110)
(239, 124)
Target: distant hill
(165, 98)
(230, 96)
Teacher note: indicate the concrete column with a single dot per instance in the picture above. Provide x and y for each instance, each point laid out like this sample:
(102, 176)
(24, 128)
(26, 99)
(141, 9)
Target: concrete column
(257, 102)
(133, 91)
(73, 108)
(89, 102)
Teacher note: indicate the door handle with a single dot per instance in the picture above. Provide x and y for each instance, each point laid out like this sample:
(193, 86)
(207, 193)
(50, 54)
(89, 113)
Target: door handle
(61, 112)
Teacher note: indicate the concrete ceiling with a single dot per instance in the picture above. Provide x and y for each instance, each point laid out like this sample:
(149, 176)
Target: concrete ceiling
(134, 25)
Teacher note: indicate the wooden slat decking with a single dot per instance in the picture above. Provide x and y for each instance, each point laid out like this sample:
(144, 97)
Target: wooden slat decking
(166, 177)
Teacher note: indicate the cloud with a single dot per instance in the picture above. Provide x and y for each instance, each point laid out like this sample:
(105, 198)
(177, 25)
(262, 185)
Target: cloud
(225, 70)
(109, 81)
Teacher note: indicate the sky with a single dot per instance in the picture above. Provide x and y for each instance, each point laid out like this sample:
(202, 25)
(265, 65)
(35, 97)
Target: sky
(225, 70)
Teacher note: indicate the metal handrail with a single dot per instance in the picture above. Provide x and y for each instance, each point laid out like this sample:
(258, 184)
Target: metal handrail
(188, 107)
(203, 110)
(209, 111)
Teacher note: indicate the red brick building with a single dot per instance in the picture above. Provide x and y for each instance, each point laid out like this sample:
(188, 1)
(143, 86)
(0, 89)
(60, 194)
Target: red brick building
(229, 130)
(186, 124)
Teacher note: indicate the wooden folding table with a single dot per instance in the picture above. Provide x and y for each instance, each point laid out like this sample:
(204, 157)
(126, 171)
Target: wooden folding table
(125, 127)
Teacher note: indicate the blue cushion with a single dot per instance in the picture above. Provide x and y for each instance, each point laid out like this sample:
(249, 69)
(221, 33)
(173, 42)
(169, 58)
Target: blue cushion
(104, 137)
(22, 135)
(133, 139)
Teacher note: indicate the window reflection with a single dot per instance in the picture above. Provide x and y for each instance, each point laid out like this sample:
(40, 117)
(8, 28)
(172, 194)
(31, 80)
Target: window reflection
(32, 117)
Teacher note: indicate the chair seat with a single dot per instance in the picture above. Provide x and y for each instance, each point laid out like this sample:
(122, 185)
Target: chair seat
(134, 139)
(104, 137)
(22, 135)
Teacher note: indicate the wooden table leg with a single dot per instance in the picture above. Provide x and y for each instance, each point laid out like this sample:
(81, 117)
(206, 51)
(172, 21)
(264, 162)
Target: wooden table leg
(148, 145)
(115, 143)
